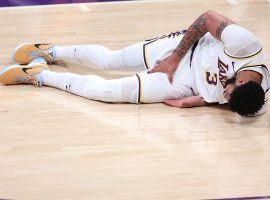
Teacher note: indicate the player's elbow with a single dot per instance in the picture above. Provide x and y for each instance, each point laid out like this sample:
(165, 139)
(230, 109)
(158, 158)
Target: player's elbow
(209, 16)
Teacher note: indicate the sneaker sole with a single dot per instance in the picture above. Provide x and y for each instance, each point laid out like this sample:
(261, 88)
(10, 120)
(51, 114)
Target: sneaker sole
(14, 50)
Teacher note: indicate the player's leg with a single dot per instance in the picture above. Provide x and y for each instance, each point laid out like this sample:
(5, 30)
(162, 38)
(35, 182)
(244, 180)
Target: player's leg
(127, 58)
(90, 86)
(94, 87)
(144, 88)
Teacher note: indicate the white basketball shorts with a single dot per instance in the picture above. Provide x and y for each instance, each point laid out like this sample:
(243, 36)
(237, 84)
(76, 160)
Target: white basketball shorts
(156, 87)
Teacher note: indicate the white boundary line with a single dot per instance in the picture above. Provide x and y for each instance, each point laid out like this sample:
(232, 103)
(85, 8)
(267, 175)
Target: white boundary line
(233, 2)
(84, 8)
(82, 4)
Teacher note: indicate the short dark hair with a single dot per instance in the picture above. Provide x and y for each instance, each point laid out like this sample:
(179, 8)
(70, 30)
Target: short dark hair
(247, 99)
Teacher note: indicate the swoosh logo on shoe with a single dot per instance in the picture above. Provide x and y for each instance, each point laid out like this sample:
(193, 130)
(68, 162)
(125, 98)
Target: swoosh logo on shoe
(38, 45)
(25, 69)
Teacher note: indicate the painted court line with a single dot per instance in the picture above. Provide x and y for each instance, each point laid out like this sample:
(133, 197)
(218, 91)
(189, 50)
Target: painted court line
(232, 2)
(84, 8)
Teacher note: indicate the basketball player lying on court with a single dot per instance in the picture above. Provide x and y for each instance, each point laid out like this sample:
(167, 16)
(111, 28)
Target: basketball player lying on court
(214, 61)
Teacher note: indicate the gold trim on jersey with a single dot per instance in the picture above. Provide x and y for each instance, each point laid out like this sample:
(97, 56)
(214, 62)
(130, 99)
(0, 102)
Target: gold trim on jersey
(250, 66)
(244, 56)
(144, 53)
(151, 41)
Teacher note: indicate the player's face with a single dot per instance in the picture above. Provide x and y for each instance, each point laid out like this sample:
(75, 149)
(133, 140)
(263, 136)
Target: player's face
(241, 78)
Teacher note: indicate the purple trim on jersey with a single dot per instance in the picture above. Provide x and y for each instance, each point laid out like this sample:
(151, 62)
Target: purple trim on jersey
(9, 3)
(223, 69)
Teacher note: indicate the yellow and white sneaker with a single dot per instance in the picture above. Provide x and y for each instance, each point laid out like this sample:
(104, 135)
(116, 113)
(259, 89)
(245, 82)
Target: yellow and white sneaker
(28, 74)
(26, 53)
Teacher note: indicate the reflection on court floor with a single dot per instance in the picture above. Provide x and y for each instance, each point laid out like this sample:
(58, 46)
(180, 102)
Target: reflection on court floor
(7, 3)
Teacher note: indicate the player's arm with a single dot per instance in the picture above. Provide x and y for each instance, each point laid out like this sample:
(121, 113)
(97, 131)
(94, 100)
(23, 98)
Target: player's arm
(208, 22)
(189, 102)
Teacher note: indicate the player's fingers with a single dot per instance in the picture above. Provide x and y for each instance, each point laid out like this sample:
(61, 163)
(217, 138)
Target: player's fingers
(155, 69)
(158, 62)
(170, 77)
(150, 71)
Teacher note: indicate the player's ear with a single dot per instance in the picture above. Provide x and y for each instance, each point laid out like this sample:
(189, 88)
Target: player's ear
(241, 81)
(240, 78)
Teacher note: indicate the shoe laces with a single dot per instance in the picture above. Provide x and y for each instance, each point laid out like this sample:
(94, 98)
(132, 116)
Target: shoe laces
(36, 80)
(35, 83)
(30, 79)
(46, 54)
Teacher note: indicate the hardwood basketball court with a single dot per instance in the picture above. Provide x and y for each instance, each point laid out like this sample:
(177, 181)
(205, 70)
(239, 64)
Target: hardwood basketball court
(54, 145)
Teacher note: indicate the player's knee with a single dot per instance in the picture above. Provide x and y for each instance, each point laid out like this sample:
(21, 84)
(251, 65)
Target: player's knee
(113, 60)
(129, 58)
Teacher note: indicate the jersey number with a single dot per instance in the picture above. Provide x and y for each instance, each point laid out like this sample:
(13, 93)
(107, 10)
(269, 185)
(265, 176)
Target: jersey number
(211, 78)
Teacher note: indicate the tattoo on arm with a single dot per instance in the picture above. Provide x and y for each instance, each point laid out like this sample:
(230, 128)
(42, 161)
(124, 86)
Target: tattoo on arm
(207, 22)
(193, 34)
(220, 28)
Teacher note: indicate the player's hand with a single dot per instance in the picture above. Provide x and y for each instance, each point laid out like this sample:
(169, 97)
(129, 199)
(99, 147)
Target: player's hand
(174, 103)
(167, 65)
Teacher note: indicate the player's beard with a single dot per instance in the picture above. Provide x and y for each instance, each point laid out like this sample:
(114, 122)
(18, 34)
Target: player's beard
(230, 81)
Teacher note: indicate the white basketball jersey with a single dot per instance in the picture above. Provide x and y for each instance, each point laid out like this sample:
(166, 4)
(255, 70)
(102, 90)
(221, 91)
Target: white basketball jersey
(214, 62)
